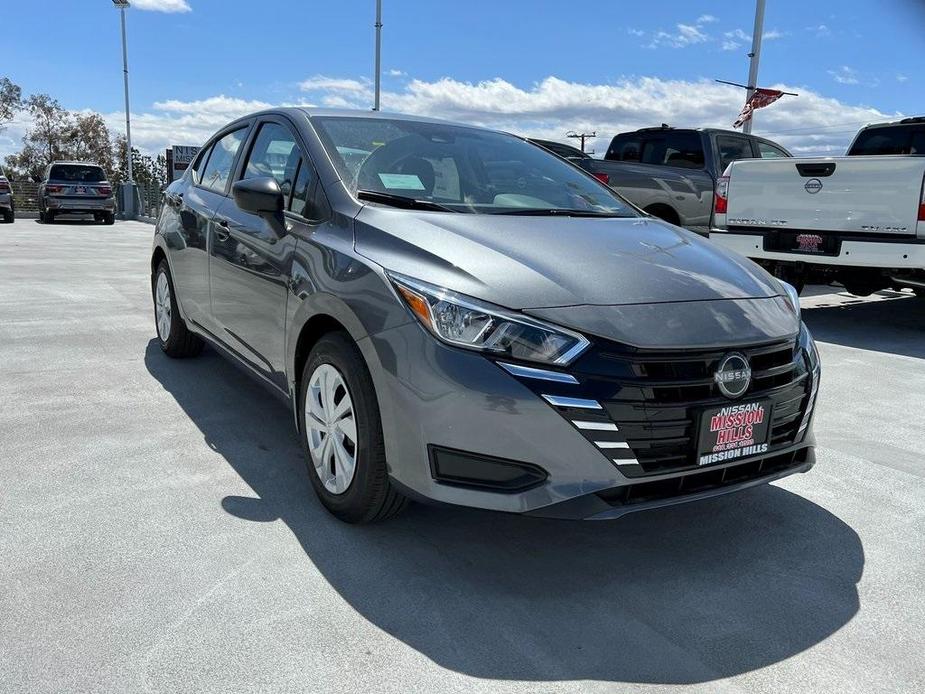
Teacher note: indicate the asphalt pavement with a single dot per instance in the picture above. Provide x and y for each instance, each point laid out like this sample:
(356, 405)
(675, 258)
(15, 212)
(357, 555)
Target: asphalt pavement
(158, 531)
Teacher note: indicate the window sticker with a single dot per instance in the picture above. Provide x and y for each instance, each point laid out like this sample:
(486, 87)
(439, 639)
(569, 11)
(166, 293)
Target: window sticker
(396, 181)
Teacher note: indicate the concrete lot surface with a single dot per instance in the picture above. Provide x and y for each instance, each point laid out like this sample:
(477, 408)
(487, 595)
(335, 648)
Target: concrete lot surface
(158, 532)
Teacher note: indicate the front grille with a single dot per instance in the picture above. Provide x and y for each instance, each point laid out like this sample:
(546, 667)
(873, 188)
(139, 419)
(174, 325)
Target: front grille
(642, 408)
(656, 397)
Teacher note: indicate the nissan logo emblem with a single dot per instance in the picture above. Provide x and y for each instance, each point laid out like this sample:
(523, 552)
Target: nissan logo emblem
(733, 375)
(813, 186)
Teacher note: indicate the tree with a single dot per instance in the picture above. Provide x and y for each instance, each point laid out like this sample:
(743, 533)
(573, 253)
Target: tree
(10, 101)
(57, 134)
(89, 140)
(146, 170)
(46, 141)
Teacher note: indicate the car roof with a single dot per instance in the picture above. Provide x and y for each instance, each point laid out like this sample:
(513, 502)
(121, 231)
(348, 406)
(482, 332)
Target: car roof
(76, 163)
(295, 111)
(668, 128)
(914, 120)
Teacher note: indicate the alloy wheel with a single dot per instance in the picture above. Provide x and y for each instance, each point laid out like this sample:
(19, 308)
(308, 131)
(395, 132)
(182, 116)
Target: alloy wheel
(330, 423)
(162, 308)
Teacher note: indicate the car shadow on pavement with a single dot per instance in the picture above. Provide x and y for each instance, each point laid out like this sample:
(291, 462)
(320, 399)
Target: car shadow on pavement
(894, 325)
(683, 595)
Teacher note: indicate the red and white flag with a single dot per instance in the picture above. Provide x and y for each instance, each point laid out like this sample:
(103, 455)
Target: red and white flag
(760, 99)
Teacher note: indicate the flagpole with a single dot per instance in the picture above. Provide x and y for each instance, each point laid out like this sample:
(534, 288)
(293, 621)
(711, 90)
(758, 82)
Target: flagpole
(755, 56)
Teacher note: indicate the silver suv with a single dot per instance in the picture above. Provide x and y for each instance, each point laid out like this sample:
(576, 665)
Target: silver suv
(458, 315)
(79, 187)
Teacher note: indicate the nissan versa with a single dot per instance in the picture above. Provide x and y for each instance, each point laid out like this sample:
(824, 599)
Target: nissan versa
(459, 315)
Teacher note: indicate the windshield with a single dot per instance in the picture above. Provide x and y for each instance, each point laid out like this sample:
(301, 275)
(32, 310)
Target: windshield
(76, 172)
(459, 169)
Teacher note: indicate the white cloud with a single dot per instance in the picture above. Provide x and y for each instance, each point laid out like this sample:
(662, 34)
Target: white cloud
(808, 124)
(162, 5)
(845, 75)
(686, 35)
(334, 84)
(396, 73)
(820, 30)
(736, 38)
(706, 19)
(902, 78)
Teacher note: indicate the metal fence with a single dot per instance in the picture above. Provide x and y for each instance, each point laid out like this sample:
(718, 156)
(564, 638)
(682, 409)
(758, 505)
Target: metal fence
(25, 198)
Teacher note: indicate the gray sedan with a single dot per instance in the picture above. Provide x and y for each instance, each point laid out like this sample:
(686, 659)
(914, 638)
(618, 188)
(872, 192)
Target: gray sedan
(458, 315)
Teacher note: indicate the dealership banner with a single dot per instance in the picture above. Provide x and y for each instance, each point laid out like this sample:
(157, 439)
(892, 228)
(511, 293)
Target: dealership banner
(179, 157)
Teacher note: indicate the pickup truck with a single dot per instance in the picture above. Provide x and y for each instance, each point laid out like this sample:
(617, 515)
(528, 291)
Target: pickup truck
(858, 219)
(671, 173)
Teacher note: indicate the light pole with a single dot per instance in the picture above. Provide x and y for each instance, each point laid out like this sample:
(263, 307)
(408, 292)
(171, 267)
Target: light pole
(755, 56)
(378, 51)
(122, 5)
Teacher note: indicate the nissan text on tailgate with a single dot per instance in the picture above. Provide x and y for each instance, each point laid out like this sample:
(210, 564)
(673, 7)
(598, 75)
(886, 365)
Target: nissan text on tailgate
(858, 219)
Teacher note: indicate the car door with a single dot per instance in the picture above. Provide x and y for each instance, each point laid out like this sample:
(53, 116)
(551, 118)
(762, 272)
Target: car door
(195, 205)
(250, 258)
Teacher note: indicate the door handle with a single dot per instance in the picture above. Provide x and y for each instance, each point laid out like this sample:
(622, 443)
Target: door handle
(222, 232)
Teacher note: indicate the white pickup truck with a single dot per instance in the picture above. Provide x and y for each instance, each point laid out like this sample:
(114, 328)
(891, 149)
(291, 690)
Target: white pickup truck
(857, 219)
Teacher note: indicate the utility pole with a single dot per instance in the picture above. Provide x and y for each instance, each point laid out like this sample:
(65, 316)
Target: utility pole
(755, 56)
(581, 136)
(378, 51)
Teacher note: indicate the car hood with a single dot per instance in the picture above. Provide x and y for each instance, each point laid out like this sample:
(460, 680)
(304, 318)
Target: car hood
(539, 262)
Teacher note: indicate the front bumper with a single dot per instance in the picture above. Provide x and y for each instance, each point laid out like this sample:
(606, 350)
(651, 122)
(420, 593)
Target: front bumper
(888, 253)
(431, 395)
(75, 204)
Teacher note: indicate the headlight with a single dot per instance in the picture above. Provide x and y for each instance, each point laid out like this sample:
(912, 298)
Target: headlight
(466, 322)
(793, 295)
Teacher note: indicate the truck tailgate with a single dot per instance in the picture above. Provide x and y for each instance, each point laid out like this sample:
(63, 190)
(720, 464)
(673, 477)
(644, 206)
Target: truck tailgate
(872, 195)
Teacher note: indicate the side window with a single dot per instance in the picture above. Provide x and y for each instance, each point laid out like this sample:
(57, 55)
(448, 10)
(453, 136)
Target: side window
(275, 154)
(624, 149)
(221, 160)
(684, 149)
(200, 164)
(732, 149)
(304, 191)
(768, 151)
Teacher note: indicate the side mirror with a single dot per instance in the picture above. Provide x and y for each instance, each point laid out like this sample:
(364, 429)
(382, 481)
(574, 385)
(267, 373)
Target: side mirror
(260, 196)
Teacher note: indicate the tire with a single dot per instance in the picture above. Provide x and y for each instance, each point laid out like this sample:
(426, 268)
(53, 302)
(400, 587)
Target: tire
(367, 495)
(179, 342)
(109, 218)
(49, 217)
(8, 216)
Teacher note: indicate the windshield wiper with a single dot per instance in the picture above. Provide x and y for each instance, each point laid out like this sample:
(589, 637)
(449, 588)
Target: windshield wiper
(555, 212)
(402, 201)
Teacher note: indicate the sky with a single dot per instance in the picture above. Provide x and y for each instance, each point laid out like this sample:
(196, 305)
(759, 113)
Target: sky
(538, 67)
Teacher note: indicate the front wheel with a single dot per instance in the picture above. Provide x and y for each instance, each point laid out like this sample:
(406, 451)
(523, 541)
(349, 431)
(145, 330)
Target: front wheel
(342, 434)
(8, 216)
(49, 217)
(174, 337)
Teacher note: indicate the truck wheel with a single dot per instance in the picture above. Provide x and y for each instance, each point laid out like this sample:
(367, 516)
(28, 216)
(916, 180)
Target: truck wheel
(342, 434)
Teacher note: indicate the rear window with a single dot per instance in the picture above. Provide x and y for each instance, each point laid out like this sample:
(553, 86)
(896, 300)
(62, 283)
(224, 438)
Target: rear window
(895, 139)
(681, 149)
(79, 173)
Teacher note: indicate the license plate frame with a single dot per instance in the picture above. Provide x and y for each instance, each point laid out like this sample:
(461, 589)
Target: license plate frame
(727, 439)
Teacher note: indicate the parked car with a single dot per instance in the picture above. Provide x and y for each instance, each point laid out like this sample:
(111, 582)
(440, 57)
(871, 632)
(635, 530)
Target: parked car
(857, 219)
(563, 150)
(671, 173)
(6, 199)
(70, 187)
(461, 316)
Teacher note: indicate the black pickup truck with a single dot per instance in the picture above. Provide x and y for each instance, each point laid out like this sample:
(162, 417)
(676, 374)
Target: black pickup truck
(671, 172)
